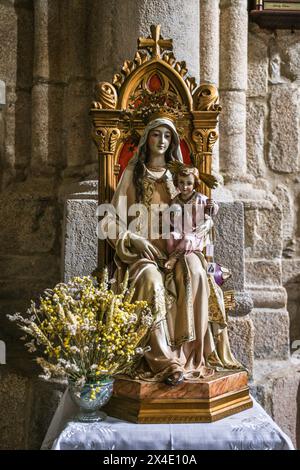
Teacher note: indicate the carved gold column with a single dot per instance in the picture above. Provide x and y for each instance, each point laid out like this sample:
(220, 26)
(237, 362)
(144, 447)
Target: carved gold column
(106, 134)
(205, 119)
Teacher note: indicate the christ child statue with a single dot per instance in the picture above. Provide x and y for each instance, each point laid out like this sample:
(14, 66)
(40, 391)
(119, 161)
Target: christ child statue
(194, 208)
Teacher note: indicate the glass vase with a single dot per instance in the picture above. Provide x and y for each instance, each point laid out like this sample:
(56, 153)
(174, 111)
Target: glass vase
(90, 397)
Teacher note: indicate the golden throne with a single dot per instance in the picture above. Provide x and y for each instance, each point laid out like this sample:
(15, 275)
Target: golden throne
(116, 131)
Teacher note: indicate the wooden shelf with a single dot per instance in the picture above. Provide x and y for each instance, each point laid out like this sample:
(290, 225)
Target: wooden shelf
(274, 19)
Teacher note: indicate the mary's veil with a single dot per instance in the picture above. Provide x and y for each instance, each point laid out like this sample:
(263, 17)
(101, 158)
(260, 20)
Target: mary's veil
(118, 201)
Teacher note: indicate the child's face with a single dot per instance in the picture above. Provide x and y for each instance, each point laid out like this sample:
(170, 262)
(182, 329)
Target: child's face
(186, 184)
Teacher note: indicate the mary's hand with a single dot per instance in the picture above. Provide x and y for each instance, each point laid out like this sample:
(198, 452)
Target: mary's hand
(144, 248)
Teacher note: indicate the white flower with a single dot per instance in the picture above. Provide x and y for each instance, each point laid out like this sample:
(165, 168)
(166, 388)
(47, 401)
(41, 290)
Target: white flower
(74, 349)
(80, 382)
(31, 346)
(147, 320)
(72, 329)
(46, 376)
(133, 318)
(142, 351)
(139, 351)
(16, 317)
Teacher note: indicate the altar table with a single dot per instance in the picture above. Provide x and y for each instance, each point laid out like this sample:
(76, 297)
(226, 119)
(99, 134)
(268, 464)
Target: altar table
(252, 429)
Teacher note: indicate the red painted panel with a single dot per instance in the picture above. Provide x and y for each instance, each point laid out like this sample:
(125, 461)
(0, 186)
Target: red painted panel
(128, 150)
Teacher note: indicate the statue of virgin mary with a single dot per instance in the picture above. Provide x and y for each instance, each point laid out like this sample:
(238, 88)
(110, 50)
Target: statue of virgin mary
(189, 339)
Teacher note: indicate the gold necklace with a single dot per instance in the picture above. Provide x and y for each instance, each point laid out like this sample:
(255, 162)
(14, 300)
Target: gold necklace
(156, 168)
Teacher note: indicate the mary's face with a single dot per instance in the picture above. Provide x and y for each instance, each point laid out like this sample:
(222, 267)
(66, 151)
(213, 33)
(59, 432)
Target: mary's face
(159, 140)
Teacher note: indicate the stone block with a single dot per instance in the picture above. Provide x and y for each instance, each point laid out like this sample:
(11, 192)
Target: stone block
(285, 200)
(289, 49)
(268, 296)
(2, 94)
(293, 307)
(241, 338)
(276, 387)
(263, 272)
(28, 224)
(244, 303)
(28, 267)
(14, 395)
(263, 232)
(80, 238)
(291, 271)
(229, 243)
(271, 339)
(258, 63)
(284, 137)
(255, 138)
(45, 397)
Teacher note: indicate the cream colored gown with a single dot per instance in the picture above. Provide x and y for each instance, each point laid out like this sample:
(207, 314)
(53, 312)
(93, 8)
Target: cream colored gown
(190, 330)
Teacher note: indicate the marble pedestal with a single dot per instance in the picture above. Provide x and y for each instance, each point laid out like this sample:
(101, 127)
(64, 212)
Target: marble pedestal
(211, 399)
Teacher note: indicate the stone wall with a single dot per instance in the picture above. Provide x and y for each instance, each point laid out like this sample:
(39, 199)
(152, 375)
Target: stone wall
(273, 154)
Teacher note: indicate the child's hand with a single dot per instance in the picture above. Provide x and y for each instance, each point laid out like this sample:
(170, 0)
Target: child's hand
(210, 203)
(211, 207)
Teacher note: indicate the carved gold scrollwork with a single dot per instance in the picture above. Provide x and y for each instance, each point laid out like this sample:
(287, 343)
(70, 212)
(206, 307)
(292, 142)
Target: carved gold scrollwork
(113, 139)
(106, 96)
(106, 139)
(197, 137)
(169, 58)
(191, 83)
(212, 138)
(140, 57)
(181, 68)
(128, 67)
(117, 168)
(206, 98)
(204, 139)
(118, 79)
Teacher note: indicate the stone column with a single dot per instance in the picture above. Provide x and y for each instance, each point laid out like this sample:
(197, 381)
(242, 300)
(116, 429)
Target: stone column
(121, 23)
(80, 26)
(2, 127)
(209, 53)
(209, 41)
(47, 90)
(233, 85)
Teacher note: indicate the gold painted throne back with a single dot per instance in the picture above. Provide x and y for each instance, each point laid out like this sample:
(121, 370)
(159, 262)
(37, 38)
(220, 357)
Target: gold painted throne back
(116, 128)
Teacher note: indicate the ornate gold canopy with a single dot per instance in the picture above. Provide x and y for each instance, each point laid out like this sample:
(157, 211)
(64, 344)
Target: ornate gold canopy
(154, 68)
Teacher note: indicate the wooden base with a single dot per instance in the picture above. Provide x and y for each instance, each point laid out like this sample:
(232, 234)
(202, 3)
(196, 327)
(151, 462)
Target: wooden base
(214, 398)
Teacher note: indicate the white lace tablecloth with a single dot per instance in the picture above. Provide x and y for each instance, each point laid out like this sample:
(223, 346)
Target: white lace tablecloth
(249, 429)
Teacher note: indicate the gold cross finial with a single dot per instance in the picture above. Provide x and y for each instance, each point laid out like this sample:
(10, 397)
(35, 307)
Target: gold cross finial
(155, 43)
